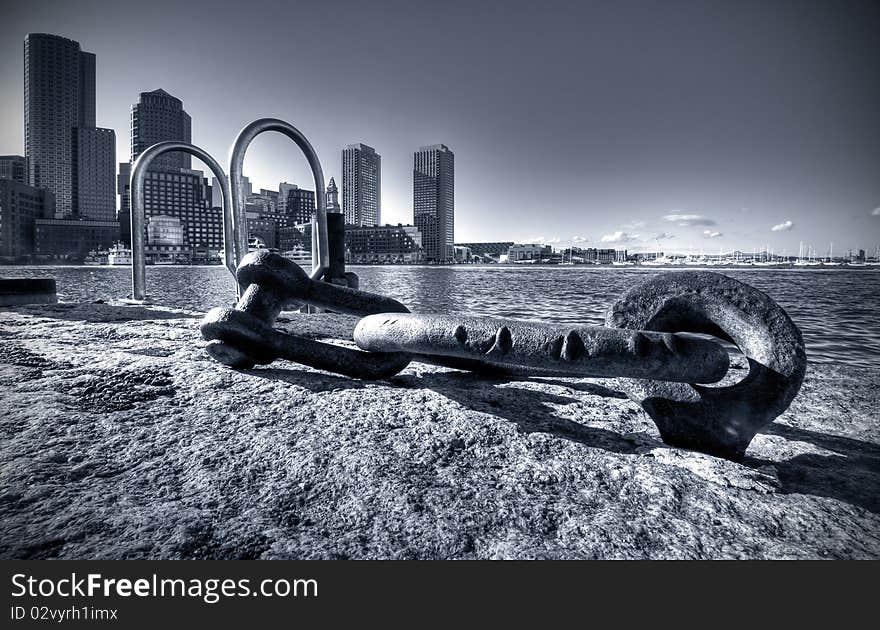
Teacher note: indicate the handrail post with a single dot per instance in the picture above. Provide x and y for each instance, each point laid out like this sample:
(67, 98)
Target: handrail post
(320, 255)
(138, 176)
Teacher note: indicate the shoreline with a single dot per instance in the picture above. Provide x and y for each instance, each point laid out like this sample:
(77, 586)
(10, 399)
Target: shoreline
(597, 267)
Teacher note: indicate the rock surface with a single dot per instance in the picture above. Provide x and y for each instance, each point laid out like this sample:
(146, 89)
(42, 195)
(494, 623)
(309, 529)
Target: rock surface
(122, 439)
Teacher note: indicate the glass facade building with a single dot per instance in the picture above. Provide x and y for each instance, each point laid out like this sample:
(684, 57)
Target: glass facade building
(434, 201)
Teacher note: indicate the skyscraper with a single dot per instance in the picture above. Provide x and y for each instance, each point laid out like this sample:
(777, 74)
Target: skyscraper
(361, 185)
(171, 187)
(59, 97)
(156, 117)
(94, 166)
(434, 200)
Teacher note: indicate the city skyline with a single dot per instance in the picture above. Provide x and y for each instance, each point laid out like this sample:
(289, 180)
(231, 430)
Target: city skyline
(731, 126)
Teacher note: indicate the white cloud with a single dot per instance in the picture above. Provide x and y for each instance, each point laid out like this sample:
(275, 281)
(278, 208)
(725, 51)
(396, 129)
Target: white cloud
(711, 234)
(785, 226)
(684, 220)
(540, 240)
(663, 236)
(579, 239)
(875, 212)
(633, 225)
(619, 237)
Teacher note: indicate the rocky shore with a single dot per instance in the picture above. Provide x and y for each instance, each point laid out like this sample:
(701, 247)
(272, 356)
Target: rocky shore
(122, 439)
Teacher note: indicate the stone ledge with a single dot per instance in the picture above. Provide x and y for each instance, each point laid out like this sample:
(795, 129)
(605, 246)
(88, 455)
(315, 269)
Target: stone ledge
(122, 439)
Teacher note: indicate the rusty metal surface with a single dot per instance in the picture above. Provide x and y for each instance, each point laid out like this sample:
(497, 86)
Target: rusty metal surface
(241, 340)
(584, 351)
(717, 420)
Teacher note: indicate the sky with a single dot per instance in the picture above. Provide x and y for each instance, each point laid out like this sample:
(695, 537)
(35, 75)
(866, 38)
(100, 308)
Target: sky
(693, 126)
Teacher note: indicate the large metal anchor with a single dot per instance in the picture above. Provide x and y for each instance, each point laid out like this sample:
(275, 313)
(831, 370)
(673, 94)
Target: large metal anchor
(667, 373)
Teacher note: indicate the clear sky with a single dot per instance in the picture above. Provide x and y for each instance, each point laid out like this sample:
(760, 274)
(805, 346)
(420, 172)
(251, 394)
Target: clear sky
(696, 124)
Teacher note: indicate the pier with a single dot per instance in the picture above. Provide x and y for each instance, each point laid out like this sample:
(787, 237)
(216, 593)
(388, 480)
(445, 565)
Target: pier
(124, 439)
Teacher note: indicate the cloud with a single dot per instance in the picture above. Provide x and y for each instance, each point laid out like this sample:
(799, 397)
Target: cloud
(579, 239)
(684, 220)
(663, 236)
(711, 234)
(875, 212)
(785, 226)
(619, 237)
(540, 240)
(633, 225)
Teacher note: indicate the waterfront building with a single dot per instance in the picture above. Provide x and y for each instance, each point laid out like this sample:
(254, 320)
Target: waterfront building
(94, 165)
(20, 206)
(217, 194)
(59, 128)
(293, 237)
(298, 205)
(641, 257)
(263, 229)
(529, 252)
(162, 230)
(186, 195)
(361, 185)
(606, 256)
(383, 244)
(333, 197)
(166, 242)
(171, 187)
(462, 254)
(123, 215)
(434, 200)
(265, 203)
(73, 238)
(14, 167)
(488, 250)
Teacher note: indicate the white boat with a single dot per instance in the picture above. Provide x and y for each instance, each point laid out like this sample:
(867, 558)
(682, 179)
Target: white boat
(300, 256)
(95, 258)
(119, 254)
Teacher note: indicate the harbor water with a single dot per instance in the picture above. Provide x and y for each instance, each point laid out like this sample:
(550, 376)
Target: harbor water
(837, 309)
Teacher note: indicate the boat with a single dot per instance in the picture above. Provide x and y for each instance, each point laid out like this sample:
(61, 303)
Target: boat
(95, 258)
(300, 256)
(119, 254)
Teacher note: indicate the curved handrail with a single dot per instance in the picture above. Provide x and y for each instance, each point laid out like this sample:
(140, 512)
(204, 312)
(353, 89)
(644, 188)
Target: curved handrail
(320, 253)
(138, 175)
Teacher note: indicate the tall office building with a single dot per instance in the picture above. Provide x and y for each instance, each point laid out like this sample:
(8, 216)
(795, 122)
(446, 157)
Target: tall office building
(434, 201)
(13, 167)
(123, 215)
(361, 185)
(156, 117)
(59, 99)
(94, 165)
(171, 188)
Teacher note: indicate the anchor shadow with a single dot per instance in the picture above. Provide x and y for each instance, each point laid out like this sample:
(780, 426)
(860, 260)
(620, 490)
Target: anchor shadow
(526, 408)
(851, 476)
